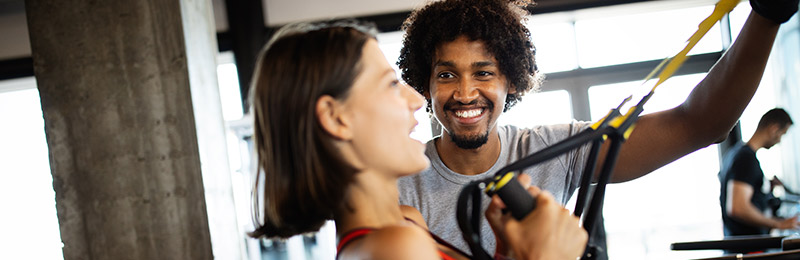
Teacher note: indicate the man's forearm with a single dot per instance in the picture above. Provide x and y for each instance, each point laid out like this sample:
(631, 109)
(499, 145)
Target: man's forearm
(751, 215)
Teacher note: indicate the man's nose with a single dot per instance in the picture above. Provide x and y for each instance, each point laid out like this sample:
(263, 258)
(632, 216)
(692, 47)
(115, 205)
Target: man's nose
(466, 91)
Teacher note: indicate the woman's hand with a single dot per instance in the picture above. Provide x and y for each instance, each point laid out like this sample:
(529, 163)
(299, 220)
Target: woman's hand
(548, 232)
(494, 215)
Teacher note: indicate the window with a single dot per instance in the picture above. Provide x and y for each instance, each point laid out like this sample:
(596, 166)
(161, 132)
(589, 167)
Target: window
(642, 36)
(529, 112)
(391, 43)
(29, 222)
(555, 45)
(671, 93)
(678, 202)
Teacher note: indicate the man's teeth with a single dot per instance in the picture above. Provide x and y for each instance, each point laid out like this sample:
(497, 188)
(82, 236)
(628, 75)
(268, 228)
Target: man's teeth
(468, 113)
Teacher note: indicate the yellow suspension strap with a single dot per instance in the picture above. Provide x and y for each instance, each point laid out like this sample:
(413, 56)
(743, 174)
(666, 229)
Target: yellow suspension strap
(672, 64)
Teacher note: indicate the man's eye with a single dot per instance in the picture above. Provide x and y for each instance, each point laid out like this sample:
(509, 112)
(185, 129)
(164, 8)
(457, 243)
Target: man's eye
(445, 75)
(484, 74)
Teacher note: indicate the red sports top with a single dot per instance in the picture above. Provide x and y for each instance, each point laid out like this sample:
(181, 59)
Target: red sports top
(360, 232)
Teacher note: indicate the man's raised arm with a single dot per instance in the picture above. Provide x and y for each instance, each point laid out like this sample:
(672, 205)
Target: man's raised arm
(710, 111)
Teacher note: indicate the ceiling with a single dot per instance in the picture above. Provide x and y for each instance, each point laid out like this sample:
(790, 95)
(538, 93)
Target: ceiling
(252, 28)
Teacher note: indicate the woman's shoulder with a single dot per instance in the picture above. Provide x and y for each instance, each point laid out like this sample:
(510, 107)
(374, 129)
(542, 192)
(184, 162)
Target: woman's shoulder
(412, 214)
(394, 242)
(402, 242)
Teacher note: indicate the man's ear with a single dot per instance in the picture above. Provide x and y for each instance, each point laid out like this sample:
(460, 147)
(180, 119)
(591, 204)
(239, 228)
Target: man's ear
(774, 128)
(330, 116)
(512, 89)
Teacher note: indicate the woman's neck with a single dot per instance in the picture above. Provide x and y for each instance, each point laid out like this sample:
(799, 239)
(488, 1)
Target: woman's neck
(372, 202)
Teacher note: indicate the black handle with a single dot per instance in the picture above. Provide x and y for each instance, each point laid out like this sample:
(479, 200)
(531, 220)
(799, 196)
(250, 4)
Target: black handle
(516, 198)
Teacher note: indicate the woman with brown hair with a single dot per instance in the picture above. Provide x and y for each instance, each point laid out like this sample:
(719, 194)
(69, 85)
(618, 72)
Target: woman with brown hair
(332, 125)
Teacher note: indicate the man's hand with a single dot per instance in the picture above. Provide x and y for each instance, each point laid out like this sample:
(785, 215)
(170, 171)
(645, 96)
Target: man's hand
(789, 223)
(774, 182)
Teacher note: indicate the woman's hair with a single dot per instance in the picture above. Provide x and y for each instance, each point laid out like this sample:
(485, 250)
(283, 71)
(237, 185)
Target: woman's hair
(497, 23)
(304, 179)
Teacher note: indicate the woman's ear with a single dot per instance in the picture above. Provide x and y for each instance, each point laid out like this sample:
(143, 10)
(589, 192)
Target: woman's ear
(330, 116)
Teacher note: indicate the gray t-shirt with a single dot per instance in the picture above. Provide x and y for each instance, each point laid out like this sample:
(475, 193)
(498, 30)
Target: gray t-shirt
(434, 192)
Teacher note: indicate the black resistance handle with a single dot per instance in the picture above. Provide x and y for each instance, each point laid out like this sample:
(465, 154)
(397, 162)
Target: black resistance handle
(516, 198)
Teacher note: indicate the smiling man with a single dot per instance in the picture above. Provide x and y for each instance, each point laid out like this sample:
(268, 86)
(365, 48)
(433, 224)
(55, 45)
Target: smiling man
(473, 60)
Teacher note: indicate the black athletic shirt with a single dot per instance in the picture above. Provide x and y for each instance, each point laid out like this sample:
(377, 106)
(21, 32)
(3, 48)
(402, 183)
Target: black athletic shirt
(741, 164)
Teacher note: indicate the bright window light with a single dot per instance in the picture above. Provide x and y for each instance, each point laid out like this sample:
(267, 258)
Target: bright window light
(642, 36)
(676, 203)
(555, 46)
(662, 215)
(29, 222)
(229, 93)
(391, 43)
(671, 93)
(544, 108)
(737, 18)
(764, 100)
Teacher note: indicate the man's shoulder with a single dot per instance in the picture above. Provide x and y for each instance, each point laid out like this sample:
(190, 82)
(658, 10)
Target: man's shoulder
(743, 152)
(411, 186)
(407, 180)
(552, 132)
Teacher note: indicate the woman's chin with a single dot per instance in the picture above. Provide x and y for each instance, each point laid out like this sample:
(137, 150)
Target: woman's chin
(420, 164)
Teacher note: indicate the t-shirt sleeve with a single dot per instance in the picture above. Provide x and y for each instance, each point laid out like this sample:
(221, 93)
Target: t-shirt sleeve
(746, 169)
(578, 156)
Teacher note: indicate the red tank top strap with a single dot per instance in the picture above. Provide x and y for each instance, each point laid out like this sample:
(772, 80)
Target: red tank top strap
(350, 236)
(441, 241)
(360, 232)
(445, 256)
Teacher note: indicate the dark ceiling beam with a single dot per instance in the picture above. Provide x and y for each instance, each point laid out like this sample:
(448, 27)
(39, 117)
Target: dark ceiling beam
(699, 63)
(387, 22)
(384, 22)
(551, 6)
(16, 68)
(246, 37)
(8, 7)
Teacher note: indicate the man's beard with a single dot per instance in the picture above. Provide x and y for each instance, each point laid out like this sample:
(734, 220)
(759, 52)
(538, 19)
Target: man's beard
(469, 142)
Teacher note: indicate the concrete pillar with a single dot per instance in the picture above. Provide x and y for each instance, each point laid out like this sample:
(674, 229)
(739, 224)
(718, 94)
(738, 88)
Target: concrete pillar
(117, 94)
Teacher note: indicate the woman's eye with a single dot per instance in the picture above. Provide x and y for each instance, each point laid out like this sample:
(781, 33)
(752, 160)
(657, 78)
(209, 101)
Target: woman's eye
(394, 83)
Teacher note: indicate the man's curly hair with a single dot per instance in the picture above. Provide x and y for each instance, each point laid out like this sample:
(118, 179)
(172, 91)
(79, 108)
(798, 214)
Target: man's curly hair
(497, 23)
